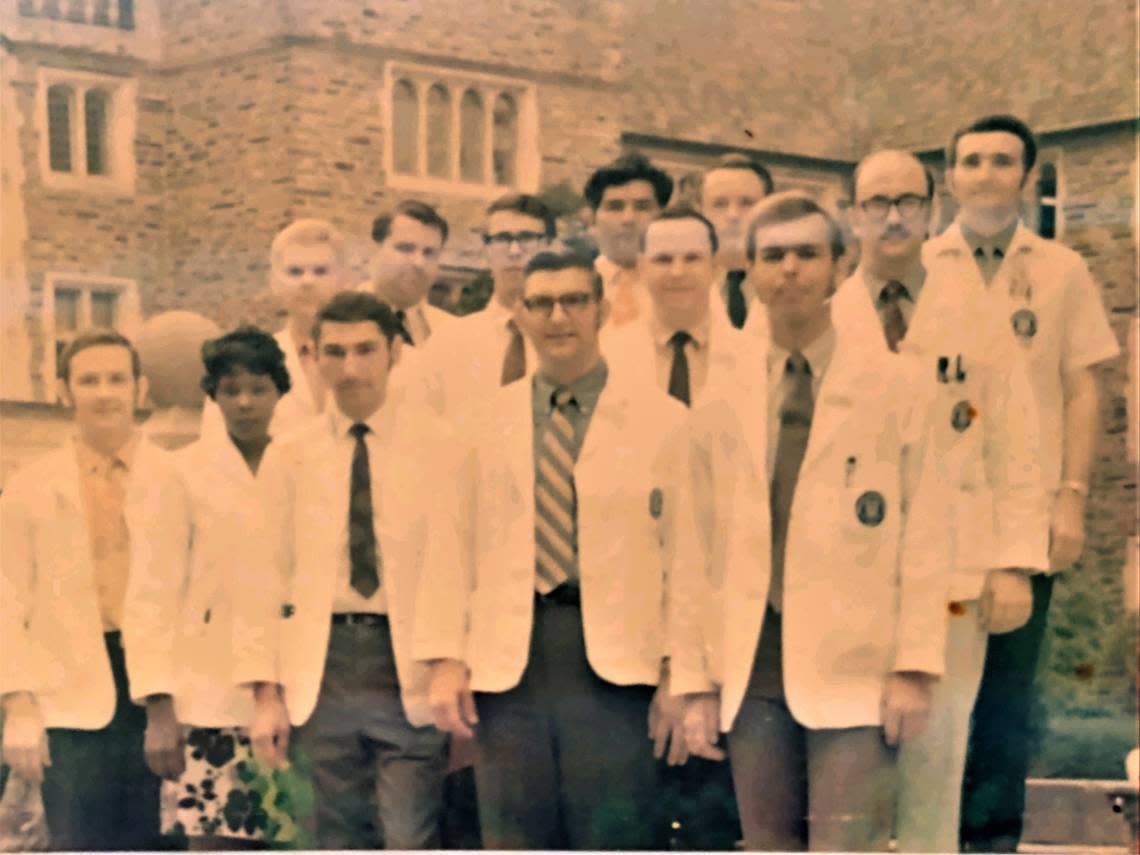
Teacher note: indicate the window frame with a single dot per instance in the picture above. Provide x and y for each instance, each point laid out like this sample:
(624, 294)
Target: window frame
(1055, 158)
(120, 121)
(128, 311)
(457, 83)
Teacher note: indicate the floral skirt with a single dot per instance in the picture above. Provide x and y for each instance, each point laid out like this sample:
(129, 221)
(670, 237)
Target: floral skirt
(224, 793)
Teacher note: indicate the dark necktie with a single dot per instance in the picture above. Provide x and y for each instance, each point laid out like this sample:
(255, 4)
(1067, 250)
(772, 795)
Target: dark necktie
(894, 323)
(737, 304)
(514, 360)
(405, 334)
(679, 373)
(795, 427)
(365, 575)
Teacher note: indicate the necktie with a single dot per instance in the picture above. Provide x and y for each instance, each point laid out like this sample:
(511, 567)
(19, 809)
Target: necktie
(363, 559)
(555, 533)
(514, 360)
(679, 373)
(405, 334)
(795, 427)
(737, 304)
(894, 324)
(624, 305)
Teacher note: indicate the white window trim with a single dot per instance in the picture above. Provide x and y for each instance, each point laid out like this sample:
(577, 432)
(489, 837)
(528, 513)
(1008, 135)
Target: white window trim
(1056, 157)
(129, 309)
(122, 120)
(489, 86)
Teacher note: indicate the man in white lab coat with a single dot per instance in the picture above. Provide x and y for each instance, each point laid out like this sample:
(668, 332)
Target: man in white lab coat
(557, 623)
(1043, 294)
(818, 655)
(984, 434)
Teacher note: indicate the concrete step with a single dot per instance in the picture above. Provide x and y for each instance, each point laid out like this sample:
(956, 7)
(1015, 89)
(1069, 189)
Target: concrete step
(1079, 815)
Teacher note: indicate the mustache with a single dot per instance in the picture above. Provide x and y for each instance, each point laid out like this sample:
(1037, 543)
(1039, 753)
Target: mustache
(896, 230)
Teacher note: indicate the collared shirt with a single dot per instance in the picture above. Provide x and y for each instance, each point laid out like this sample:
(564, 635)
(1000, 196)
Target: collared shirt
(696, 350)
(586, 391)
(913, 283)
(989, 252)
(417, 324)
(615, 278)
(307, 357)
(347, 599)
(103, 483)
(818, 355)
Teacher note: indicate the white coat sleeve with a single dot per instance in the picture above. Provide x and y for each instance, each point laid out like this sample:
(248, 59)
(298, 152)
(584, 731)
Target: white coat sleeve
(19, 671)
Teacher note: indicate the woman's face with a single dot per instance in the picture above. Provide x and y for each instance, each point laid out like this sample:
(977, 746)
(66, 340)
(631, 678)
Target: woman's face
(247, 401)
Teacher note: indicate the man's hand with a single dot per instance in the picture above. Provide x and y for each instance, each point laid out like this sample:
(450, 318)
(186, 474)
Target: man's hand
(449, 695)
(1006, 602)
(269, 731)
(163, 742)
(25, 740)
(665, 725)
(701, 723)
(906, 705)
(1066, 530)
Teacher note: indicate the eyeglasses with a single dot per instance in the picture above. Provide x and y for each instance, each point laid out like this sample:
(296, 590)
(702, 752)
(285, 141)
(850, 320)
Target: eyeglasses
(526, 241)
(878, 207)
(574, 301)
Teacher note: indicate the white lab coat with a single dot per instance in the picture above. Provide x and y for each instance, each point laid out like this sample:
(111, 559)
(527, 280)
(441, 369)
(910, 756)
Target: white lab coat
(51, 633)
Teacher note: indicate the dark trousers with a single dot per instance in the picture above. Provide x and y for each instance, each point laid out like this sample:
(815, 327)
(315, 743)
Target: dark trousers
(98, 792)
(377, 780)
(799, 788)
(565, 760)
(1003, 738)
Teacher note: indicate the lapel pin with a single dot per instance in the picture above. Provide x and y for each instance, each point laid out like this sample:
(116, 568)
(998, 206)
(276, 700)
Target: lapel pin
(962, 416)
(870, 508)
(1024, 323)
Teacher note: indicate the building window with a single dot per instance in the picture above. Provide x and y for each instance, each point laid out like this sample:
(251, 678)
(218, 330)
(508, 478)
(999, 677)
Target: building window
(87, 130)
(1047, 207)
(74, 302)
(459, 132)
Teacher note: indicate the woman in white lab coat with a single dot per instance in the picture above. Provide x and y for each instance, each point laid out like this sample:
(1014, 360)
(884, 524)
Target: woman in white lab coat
(214, 793)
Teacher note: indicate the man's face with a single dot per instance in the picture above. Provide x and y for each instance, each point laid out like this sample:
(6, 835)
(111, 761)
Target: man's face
(727, 196)
(407, 262)
(247, 401)
(677, 268)
(988, 172)
(622, 217)
(354, 359)
(793, 271)
(513, 239)
(101, 386)
(305, 277)
(567, 338)
(891, 214)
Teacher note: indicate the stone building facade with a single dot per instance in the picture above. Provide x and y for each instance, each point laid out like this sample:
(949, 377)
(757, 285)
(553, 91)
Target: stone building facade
(151, 148)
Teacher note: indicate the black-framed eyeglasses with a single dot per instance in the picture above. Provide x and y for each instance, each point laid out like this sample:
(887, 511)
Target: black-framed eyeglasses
(909, 204)
(543, 304)
(526, 240)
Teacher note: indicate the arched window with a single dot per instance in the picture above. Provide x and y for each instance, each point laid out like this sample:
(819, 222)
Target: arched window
(471, 137)
(439, 132)
(506, 135)
(95, 123)
(59, 100)
(405, 127)
(1047, 201)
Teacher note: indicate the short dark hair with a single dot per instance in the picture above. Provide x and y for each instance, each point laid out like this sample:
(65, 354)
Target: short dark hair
(417, 210)
(990, 124)
(786, 207)
(565, 260)
(685, 212)
(246, 347)
(925, 171)
(350, 307)
(736, 160)
(529, 206)
(629, 167)
(96, 338)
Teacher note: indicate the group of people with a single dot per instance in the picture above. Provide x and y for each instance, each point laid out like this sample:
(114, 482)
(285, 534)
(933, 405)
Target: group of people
(710, 499)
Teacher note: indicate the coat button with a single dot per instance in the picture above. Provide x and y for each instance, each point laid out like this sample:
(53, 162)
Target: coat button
(206, 617)
(287, 610)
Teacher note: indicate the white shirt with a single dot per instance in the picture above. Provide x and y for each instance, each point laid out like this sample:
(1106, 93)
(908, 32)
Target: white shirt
(818, 355)
(345, 597)
(696, 351)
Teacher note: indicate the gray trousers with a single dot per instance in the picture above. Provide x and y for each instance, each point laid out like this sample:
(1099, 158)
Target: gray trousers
(800, 788)
(565, 759)
(377, 780)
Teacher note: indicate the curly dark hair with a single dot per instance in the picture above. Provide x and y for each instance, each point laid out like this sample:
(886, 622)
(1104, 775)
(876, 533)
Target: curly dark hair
(246, 347)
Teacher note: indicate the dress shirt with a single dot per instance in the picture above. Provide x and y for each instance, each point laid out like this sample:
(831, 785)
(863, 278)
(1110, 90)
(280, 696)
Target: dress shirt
(345, 597)
(913, 283)
(586, 390)
(989, 252)
(818, 355)
(612, 275)
(103, 487)
(696, 350)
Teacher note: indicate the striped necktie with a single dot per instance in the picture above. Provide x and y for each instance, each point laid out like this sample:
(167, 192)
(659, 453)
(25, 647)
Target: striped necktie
(556, 535)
